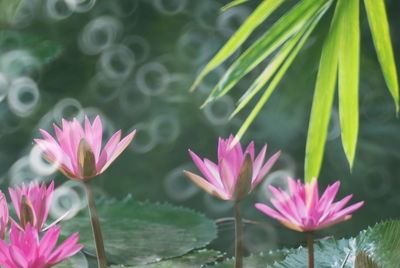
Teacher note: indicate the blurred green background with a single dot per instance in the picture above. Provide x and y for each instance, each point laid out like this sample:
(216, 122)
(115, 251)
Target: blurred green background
(132, 62)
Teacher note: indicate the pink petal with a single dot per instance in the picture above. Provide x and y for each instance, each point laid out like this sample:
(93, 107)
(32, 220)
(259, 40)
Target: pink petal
(76, 135)
(270, 212)
(121, 146)
(49, 241)
(290, 214)
(227, 176)
(345, 212)
(215, 176)
(207, 169)
(292, 186)
(265, 169)
(222, 148)
(97, 130)
(329, 195)
(18, 257)
(66, 144)
(206, 186)
(108, 150)
(66, 249)
(16, 200)
(64, 139)
(259, 161)
(250, 150)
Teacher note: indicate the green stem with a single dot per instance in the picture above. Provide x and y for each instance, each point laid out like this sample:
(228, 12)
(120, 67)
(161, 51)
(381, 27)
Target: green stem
(310, 246)
(98, 238)
(238, 237)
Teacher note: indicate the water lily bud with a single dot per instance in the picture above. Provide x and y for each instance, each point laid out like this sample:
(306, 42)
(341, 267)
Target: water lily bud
(27, 213)
(243, 183)
(86, 160)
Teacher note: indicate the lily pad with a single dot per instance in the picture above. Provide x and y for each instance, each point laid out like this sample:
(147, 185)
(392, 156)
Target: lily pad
(141, 233)
(190, 260)
(256, 261)
(78, 260)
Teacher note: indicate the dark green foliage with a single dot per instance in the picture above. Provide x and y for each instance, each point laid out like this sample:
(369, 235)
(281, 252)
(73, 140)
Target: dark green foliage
(45, 51)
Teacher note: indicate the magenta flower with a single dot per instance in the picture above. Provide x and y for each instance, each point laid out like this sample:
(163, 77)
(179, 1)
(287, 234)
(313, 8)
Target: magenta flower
(304, 211)
(32, 204)
(237, 172)
(27, 250)
(78, 151)
(4, 215)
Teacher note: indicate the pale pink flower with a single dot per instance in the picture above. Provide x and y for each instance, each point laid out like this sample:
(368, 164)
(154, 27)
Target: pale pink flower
(302, 210)
(237, 172)
(4, 215)
(32, 204)
(27, 250)
(78, 151)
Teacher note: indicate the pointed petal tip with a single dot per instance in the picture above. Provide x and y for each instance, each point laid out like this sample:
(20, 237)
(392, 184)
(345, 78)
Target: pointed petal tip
(37, 141)
(132, 134)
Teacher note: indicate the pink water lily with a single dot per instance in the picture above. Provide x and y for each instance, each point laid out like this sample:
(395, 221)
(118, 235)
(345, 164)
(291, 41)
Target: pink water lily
(303, 210)
(78, 151)
(27, 250)
(4, 215)
(237, 172)
(32, 204)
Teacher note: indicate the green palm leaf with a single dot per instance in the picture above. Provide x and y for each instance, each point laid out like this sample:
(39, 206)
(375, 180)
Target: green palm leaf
(261, 81)
(379, 25)
(349, 65)
(256, 18)
(277, 61)
(340, 57)
(323, 96)
(290, 24)
(232, 4)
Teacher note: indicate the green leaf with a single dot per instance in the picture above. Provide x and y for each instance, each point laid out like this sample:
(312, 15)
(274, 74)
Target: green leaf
(47, 51)
(380, 246)
(254, 88)
(256, 18)
(44, 51)
(8, 9)
(287, 26)
(256, 261)
(364, 261)
(382, 243)
(268, 72)
(349, 65)
(140, 233)
(323, 97)
(232, 4)
(379, 25)
(190, 260)
(327, 254)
